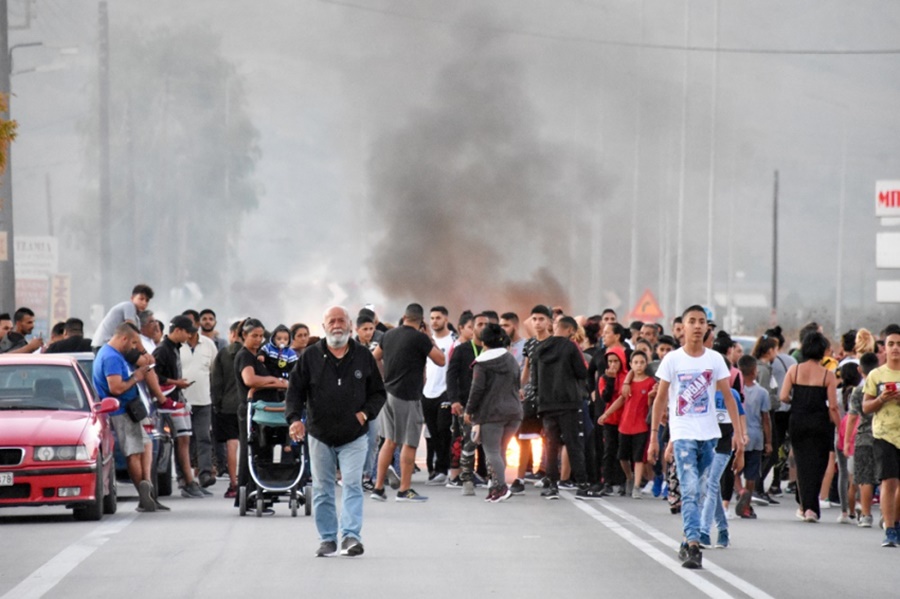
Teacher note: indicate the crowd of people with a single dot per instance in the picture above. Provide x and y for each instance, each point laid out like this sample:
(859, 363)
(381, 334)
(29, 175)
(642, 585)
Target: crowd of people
(634, 411)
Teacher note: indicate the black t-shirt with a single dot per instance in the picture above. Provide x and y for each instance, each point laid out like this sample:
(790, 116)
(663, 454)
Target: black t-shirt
(242, 360)
(405, 351)
(69, 345)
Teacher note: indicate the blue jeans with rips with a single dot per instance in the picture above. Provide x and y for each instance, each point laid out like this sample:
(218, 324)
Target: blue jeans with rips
(325, 460)
(712, 500)
(692, 461)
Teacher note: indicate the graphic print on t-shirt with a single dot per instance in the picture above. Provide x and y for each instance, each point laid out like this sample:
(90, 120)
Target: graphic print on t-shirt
(693, 392)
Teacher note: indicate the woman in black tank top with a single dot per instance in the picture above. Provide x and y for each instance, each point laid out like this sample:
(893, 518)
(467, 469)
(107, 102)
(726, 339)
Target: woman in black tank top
(811, 389)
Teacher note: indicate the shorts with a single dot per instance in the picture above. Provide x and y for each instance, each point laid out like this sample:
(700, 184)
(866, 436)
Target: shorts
(530, 428)
(864, 465)
(130, 435)
(631, 447)
(181, 420)
(226, 428)
(402, 420)
(752, 464)
(887, 458)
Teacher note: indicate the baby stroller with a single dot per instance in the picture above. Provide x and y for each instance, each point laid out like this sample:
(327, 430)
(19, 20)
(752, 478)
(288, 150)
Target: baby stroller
(277, 465)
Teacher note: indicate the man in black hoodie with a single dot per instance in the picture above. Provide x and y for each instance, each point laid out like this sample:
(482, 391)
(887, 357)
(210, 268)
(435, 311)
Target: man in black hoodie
(559, 378)
(459, 384)
(338, 382)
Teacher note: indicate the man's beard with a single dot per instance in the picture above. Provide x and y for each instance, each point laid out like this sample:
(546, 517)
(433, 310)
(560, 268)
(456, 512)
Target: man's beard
(337, 339)
(207, 329)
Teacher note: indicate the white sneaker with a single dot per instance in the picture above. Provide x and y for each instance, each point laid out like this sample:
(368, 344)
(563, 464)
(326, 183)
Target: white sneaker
(438, 480)
(824, 504)
(843, 519)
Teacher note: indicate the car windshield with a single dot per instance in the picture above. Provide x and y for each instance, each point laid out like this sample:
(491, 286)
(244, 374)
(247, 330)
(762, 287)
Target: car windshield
(41, 387)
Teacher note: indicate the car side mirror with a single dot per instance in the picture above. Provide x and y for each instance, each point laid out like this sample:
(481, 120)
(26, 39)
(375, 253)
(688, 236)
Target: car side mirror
(108, 405)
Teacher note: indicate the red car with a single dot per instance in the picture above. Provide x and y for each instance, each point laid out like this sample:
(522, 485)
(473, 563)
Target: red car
(56, 443)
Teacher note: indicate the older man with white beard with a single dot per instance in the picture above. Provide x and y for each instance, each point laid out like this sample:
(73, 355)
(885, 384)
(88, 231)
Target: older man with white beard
(338, 382)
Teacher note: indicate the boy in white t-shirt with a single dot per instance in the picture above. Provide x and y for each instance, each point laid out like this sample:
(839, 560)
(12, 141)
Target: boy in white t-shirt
(689, 377)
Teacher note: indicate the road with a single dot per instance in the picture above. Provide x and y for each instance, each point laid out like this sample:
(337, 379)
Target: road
(450, 546)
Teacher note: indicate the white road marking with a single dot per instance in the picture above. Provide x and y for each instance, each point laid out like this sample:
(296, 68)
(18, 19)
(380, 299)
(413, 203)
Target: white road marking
(714, 569)
(663, 559)
(50, 574)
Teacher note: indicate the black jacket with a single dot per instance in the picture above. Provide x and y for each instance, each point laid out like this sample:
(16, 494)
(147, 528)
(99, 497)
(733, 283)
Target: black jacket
(495, 388)
(168, 364)
(226, 398)
(459, 373)
(560, 375)
(334, 391)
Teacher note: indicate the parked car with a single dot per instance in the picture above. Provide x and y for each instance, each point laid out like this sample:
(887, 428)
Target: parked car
(56, 443)
(159, 429)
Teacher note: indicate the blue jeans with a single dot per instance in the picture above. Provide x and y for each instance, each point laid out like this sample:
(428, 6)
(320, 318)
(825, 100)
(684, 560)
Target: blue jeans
(325, 460)
(712, 501)
(692, 461)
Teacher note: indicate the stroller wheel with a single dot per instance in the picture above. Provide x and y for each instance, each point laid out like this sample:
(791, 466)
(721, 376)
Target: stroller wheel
(242, 500)
(307, 500)
(294, 502)
(260, 505)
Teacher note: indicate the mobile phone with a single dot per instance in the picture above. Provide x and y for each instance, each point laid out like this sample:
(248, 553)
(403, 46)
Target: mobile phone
(890, 387)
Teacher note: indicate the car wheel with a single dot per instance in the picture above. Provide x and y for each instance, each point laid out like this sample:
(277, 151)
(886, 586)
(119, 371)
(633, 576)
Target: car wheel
(111, 501)
(92, 511)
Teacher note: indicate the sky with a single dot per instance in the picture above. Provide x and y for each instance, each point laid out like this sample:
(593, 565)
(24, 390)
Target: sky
(497, 154)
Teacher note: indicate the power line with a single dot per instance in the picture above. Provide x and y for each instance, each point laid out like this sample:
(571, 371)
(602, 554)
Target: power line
(623, 44)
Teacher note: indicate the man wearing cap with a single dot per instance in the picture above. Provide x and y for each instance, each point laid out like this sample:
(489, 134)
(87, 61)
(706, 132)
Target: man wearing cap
(168, 369)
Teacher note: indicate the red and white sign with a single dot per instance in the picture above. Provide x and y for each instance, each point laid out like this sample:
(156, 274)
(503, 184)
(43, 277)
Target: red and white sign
(887, 198)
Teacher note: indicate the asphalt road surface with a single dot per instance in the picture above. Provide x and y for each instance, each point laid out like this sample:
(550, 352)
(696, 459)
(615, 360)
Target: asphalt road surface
(451, 546)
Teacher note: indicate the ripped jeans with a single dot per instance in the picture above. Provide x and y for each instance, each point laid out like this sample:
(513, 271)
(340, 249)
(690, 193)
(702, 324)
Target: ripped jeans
(712, 500)
(692, 461)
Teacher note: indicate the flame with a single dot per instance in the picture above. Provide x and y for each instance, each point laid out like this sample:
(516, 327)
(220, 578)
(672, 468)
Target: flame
(512, 452)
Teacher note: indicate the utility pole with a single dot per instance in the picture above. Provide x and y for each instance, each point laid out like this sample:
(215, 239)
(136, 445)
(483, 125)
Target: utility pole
(775, 250)
(7, 245)
(48, 187)
(105, 194)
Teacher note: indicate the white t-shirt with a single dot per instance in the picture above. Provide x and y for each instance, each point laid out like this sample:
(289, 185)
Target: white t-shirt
(692, 393)
(195, 366)
(436, 376)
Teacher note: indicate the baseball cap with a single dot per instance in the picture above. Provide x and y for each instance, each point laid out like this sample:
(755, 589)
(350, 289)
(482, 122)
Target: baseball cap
(182, 322)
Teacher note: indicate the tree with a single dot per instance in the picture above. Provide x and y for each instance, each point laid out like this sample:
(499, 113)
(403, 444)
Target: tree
(183, 153)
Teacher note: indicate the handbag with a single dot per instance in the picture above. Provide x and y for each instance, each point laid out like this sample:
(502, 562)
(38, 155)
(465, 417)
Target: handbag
(136, 409)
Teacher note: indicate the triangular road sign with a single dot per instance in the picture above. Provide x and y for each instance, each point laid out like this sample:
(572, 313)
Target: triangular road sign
(646, 309)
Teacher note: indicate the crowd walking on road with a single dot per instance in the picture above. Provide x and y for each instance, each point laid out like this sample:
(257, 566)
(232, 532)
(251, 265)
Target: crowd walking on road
(591, 409)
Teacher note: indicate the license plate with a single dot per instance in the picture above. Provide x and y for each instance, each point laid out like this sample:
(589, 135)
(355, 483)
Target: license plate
(6, 479)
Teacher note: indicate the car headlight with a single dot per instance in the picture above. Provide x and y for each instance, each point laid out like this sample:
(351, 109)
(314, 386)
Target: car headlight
(49, 453)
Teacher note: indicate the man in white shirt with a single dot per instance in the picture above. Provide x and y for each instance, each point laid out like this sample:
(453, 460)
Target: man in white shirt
(197, 356)
(689, 378)
(435, 405)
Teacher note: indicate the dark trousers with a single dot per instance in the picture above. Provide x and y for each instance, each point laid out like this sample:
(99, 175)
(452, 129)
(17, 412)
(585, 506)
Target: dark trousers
(726, 483)
(612, 470)
(438, 419)
(565, 428)
(243, 473)
(776, 461)
(812, 438)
